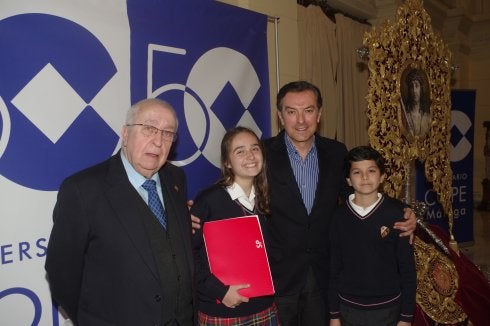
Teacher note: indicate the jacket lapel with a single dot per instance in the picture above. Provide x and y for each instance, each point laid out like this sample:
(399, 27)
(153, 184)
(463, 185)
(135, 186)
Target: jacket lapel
(283, 167)
(323, 175)
(129, 207)
(173, 191)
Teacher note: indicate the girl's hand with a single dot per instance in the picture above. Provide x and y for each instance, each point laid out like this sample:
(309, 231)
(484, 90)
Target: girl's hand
(233, 298)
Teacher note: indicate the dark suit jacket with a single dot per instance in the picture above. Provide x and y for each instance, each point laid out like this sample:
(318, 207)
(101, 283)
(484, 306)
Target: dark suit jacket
(99, 262)
(299, 240)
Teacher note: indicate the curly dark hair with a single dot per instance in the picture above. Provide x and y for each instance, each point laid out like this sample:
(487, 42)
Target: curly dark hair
(228, 177)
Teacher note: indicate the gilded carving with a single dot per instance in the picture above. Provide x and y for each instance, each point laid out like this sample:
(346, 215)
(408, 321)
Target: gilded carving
(437, 284)
(409, 100)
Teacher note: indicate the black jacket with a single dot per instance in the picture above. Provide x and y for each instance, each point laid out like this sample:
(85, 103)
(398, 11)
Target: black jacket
(100, 264)
(299, 240)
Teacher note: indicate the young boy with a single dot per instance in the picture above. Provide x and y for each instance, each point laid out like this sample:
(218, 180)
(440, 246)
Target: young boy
(372, 268)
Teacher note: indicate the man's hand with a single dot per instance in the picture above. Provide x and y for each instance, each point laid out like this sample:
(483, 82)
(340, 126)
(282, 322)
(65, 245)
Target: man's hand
(196, 222)
(408, 226)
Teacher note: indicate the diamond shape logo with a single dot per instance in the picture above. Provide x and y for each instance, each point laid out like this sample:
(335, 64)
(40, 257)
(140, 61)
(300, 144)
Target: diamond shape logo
(49, 94)
(456, 135)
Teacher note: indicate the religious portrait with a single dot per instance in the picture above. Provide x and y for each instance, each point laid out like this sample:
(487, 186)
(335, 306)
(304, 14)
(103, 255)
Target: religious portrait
(415, 102)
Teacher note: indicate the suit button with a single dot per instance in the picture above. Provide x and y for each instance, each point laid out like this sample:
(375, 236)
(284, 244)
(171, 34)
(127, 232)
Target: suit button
(157, 298)
(308, 250)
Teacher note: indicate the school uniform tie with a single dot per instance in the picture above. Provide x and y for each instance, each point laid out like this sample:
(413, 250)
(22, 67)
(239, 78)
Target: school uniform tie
(154, 202)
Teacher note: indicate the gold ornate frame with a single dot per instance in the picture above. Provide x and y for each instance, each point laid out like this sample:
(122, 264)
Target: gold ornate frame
(394, 49)
(410, 43)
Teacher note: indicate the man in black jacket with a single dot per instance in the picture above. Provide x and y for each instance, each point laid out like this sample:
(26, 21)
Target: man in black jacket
(305, 174)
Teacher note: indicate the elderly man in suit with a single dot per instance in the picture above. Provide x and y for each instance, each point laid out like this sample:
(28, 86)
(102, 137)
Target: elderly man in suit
(305, 174)
(120, 247)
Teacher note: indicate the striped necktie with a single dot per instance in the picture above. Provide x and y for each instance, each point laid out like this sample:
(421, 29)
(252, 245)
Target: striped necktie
(154, 202)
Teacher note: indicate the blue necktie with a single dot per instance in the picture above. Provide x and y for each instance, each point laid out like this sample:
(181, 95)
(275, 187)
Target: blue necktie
(154, 202)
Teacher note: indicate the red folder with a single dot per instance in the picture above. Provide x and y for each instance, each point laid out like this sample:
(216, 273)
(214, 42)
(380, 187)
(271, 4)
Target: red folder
(237, 254)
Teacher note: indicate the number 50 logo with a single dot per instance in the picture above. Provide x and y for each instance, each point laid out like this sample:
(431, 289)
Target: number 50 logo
(210, 74)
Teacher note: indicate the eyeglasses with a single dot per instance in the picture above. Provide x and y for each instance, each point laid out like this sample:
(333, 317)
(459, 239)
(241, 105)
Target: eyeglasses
(150, 131)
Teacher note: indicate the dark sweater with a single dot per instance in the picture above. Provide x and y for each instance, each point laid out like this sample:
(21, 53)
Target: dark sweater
(212, 204)
(369, 271)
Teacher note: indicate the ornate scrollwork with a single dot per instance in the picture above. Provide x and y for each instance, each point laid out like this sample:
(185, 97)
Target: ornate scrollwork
(396, 52)
(437, 284)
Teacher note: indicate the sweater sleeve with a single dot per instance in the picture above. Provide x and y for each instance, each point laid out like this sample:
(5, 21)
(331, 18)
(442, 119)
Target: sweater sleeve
(408, 276)
(335, 267)
(208, 285)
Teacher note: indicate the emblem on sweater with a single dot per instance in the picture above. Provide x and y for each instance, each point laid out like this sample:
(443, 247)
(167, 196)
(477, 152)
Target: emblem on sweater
(384, 231)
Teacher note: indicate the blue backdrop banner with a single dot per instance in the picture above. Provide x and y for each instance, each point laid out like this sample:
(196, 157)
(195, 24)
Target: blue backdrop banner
(210, 61)
(462, 131)
(69, 72)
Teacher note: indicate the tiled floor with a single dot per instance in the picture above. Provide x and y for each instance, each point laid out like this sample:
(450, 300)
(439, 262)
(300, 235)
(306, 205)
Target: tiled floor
(479, 252)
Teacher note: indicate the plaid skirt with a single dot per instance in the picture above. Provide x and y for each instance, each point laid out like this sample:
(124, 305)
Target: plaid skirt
(267, 317)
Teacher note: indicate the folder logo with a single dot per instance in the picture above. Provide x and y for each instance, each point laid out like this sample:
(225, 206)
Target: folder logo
(258, 244)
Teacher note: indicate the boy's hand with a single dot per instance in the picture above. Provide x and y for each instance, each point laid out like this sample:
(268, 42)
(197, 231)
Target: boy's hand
(403, 323)
(335, 322)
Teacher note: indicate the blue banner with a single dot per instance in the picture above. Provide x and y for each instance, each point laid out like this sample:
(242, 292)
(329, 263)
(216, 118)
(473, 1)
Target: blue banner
(210, 61)
(69, 72)
(462, 131)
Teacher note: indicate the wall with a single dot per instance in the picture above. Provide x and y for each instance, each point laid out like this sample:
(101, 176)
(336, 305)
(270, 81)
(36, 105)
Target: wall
(465, 27)
(479, 73)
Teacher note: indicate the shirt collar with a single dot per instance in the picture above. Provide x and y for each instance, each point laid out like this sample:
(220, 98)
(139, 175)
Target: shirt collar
(134, 177)
(236, 193)
(361, 210)
(293, 151)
